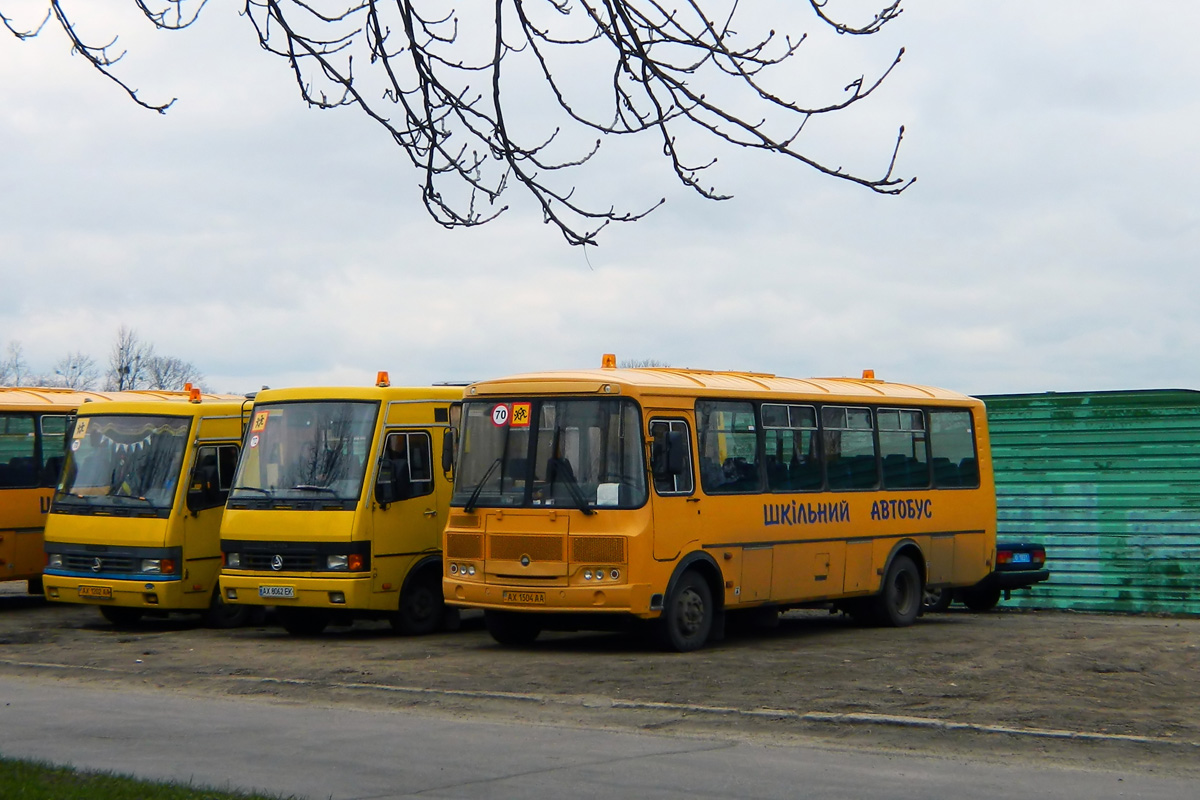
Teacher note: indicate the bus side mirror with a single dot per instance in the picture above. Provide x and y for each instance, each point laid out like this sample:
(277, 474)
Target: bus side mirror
(203, 492)
(448, 450)
(385, 484)
(668, 453)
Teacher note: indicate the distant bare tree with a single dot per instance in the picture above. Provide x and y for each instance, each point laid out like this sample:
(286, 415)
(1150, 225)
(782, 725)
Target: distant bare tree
(128, 362)
(524, 91)
(171, 373)
(76, 370)
(14, 371)
(633, 363)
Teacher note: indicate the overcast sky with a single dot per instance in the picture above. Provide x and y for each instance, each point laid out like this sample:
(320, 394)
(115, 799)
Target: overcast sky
(1050, 242)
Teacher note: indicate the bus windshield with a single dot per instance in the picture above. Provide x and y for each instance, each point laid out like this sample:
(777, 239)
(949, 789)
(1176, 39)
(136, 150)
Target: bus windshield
(306, 451)
(578, 453)
(121, 461)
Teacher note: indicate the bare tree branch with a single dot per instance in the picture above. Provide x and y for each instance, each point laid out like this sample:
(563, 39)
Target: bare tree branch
(458, 92)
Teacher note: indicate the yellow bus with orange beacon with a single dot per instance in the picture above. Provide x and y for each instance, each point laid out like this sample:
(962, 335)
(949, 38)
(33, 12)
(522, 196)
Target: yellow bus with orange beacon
(134, 525)
(337, 509)
(589, 499)
(33, 429)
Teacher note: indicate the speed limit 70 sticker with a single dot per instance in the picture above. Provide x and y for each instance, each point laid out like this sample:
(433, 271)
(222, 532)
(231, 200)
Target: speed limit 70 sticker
(500, 415)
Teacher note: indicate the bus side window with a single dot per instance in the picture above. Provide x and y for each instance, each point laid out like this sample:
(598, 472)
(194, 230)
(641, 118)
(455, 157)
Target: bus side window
(952, 442)
(849, 447)
(671, 456)
(53, 441)
(406, 468)
(902, 445)
(728, 443)
(212, 476)
(791, 454)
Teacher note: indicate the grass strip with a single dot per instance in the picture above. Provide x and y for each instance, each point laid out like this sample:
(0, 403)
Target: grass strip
(36, 780)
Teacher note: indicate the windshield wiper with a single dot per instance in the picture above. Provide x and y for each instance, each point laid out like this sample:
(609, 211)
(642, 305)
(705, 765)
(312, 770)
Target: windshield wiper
(470, 506)
(131, 497)
(309, 487)
(560, 467)
(86, 498)
(556, 465)
(251, 489)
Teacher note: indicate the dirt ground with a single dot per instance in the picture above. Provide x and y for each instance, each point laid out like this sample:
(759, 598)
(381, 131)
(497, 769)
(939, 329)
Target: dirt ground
(1099, 691)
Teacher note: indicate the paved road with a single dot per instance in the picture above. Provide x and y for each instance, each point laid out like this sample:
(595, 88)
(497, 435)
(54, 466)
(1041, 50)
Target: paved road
(348, 754)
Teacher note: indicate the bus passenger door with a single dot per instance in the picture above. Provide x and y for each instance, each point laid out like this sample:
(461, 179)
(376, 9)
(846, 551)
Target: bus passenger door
(405, 517)
(207, 490)
(677, 506)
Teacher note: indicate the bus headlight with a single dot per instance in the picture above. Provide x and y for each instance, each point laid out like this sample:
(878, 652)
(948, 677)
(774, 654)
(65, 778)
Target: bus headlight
(54, 560)
(233, 560)
(337, 562)
(158, 566)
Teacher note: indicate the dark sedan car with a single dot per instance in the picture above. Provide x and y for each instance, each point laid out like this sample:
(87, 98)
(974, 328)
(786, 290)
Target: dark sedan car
(1018, 565)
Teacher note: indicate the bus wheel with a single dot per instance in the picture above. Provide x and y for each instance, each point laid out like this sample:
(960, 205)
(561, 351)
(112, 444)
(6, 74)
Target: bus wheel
(121, 616)
(899, 601)
(508, 627)
(421, 605)
(302, 621)
(221, 615)
(981, 599)
(936, 600)
(687, 617)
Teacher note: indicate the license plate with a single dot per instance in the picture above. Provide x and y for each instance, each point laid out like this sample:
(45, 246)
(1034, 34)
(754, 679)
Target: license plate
(527, 598)
(1021, 558)
(277, 591)
(101, 592)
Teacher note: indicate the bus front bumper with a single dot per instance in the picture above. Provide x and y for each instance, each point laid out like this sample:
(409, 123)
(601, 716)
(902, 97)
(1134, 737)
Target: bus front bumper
(148, 594)
(281, 589)
(598, 599)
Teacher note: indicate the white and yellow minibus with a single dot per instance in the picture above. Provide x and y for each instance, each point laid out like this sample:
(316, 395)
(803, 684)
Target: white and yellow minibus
(134, 525)
(34, 421)
(589, 498)
(337, 509)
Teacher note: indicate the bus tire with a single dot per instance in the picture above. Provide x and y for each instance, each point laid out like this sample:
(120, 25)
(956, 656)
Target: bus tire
(980, 600)
(511, 628)
(121, 616)
(422, 608)
(302, 621)
(687, 616)
(899, 600)
(934, 601)
(222, 615)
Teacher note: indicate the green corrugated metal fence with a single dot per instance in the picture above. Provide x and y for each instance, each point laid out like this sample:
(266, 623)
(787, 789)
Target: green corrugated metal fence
(1109, 482)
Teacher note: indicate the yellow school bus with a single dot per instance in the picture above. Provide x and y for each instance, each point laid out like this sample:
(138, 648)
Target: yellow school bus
(337, 508)
(587, 499)
(33, 427)
(134, 525)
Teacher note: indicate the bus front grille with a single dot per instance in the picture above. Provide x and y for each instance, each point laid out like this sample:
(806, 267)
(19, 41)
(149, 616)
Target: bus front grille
(506, 547)
(105, 563)
(598, 549)
(464, 545)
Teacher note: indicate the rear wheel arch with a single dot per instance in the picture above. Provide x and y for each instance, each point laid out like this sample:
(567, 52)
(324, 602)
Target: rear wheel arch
(900, 598)
(905, 547)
